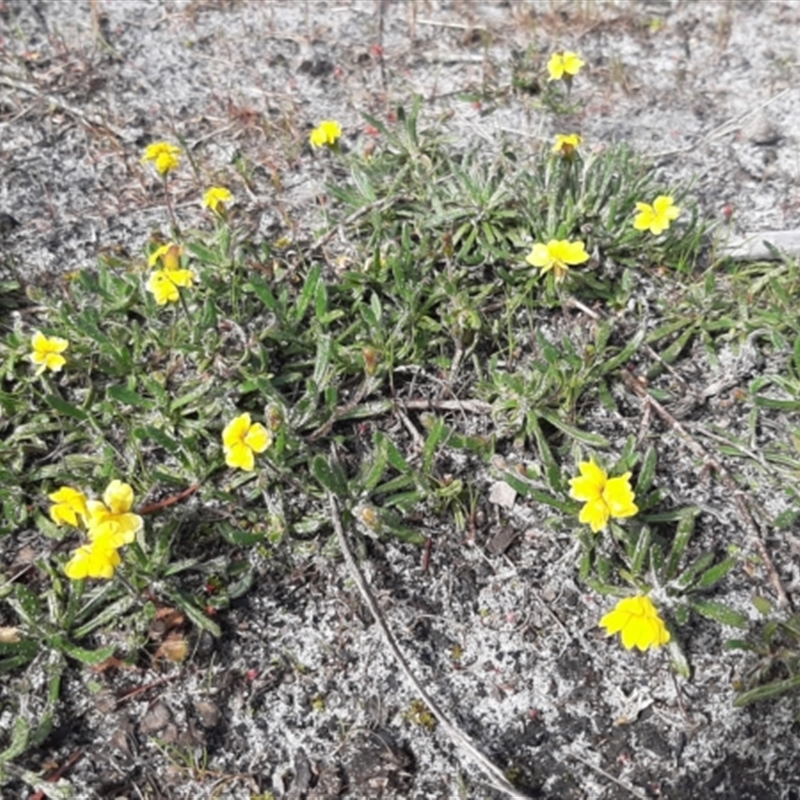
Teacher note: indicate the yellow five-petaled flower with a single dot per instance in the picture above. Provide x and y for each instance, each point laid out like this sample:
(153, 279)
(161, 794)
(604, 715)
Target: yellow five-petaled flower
(603, 497)
(656, 218)
(326, 134)
(564, 63)
(47, 352)
(566, 144)
(164, 155)
(112, 522)
(70, 505)
(637, 619)
(93, 560)
(241, 439)
(215, 197)
(557, 255)
(164, 283)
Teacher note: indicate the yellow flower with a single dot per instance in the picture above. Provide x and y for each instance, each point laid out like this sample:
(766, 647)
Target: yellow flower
(111, 523)
(557, 255)
(566, 144)
(327, 133)
(168, 254)
(69, 505)
(216, 196)
(656, 218)
(164, 155)
(93, 560)
(564, 63)
(241, 439)
(639, 622)
(164, 283)
(604, 497)
(47, 352)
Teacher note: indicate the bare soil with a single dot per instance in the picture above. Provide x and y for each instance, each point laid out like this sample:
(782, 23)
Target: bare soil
(300, 697)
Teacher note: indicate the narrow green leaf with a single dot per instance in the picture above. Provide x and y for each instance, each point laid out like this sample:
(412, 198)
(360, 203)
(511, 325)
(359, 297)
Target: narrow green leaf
(767, 691)
(640, 551)
(63, 407)
(90, 657)
(111, 613)
(585, 437)
(647, 472)
(124, 395)
(261, 289)
(196, 616)
(715, 573)
(308, 292)
(719, 612)
(682, 537)
(331, 476)
(677, 657)
(624, 355)
(190, 397)
(146, 432)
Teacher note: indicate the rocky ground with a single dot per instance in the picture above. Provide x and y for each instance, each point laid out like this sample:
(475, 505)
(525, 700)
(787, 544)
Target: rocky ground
(300, 697)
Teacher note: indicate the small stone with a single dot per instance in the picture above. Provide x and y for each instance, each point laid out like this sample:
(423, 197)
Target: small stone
(156, 718)
(208, 713)
(501, 494)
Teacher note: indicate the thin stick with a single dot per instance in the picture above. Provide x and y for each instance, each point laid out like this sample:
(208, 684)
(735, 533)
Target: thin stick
(601, 771)
(169, 501)
(456, 735)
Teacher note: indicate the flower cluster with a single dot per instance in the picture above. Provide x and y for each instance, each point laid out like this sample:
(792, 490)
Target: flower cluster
(164, 283)
(110, 525)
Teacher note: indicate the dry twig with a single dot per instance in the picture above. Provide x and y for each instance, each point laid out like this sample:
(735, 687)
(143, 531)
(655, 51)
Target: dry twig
(456, 735)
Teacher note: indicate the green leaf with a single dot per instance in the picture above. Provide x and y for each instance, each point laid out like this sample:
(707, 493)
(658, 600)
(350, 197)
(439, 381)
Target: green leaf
(20, 734)
(149, 432)
(16, 654)
(190, 397)
(677, 657)
(585, 437)
(625, 355)
(716, 573)
(112, 613)
(308, 293)
(647, 472)
(124, 395)
(260, 288)
(66, 408)
(196, 616)
(27, 605)
(682, 536)
(330, 476)
(719, 612)
(90, 657)
(767, 691)
(763, 606)
(640, 551)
